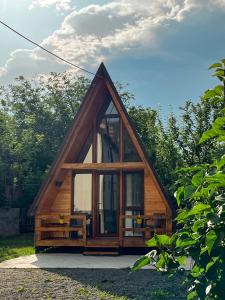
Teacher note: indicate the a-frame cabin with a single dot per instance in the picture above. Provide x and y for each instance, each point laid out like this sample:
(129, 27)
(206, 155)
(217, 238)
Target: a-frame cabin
(101, 191)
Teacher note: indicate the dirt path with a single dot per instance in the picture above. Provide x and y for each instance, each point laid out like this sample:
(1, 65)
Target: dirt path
(101, 284)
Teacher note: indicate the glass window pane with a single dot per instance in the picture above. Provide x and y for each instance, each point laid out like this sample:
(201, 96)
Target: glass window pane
(108, 140)
(134, 189)
(133, 223)
(107, 206)
(85, 155)
(130, 152)
(111, 110)
(83, 193)
(88, 157)
(134, 193)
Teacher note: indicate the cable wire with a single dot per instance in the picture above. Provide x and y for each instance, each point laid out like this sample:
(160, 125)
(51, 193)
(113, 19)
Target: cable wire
(46, 50)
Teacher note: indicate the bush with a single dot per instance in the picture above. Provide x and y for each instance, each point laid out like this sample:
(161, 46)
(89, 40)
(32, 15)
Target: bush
(201, 216)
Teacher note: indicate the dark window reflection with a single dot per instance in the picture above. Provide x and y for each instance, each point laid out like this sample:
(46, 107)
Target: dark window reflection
(107, 206)
(130, 153)
(85, 155)
(108, 140)
(134, 189)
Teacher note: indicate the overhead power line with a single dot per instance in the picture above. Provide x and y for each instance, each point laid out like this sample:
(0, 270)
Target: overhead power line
(46, 50)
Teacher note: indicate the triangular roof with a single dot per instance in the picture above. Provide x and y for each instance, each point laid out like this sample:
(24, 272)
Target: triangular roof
(101, 84)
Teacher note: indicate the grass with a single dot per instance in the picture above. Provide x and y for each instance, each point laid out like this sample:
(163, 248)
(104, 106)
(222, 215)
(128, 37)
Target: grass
(106, 296)
(21, 289)
(161, 294)
(103, 295)
(16, 246)
(82, 292)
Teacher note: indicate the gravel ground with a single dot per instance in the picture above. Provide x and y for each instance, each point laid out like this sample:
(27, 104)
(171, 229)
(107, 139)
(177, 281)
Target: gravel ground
(101, 284)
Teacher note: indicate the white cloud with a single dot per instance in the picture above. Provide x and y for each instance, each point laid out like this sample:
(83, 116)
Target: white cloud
(220, 3)
(59, 4)
(101, 32)
(3, 72)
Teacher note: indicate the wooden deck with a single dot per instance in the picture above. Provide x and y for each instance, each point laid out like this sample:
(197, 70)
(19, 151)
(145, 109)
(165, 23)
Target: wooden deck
(51, 231)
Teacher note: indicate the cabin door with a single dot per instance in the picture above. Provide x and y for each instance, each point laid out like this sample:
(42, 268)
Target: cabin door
(107, 204)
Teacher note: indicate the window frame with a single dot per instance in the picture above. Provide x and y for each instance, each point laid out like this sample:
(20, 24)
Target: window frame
(132, 208)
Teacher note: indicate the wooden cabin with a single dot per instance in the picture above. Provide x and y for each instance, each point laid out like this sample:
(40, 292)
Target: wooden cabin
(101, 191)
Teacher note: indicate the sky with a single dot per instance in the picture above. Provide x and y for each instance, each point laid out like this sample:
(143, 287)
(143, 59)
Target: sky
(161, 48)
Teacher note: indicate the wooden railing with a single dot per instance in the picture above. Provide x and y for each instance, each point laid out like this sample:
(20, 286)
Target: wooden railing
(53, 230)
(144, 224)
(55, 223)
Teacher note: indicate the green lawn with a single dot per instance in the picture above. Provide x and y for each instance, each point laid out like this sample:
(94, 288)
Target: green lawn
(12, 247)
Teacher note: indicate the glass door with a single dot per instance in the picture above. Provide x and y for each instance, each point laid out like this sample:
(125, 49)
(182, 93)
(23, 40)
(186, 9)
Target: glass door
(134, 201)
(107, 204)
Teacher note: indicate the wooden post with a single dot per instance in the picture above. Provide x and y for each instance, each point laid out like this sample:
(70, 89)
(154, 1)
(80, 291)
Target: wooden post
(94, 203)
(37, 226)
(84, 233)
(121, 208)
(121, 231)
(72, 192)
(169, 225)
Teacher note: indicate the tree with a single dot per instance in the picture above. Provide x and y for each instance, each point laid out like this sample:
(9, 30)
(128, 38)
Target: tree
(201, 215)
(35, 116)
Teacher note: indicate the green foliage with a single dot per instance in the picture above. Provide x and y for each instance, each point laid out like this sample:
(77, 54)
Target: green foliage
(200, 233)
(16, 246)
(175, 144)
(158, 241)
(34, 119)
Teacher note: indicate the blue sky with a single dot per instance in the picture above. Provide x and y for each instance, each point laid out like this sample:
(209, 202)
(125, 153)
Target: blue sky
(161, 48)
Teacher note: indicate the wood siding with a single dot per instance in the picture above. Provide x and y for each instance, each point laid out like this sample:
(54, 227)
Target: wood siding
(153, 201)
(62, 202)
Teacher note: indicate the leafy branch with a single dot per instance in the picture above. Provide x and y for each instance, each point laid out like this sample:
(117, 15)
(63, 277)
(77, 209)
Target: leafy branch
(200, 233)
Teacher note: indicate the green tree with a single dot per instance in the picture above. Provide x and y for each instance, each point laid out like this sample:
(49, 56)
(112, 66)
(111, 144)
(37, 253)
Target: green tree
(201, 215)
(35, 116)
(196, 119)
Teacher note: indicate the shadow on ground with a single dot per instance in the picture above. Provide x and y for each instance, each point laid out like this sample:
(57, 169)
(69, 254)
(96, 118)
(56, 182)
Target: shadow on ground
(144, 284)
(88, 284)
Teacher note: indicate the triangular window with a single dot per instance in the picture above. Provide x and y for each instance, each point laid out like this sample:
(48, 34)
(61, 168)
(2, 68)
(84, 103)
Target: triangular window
(85, 156)
(130, 152)
(111, 110)
(88, 157)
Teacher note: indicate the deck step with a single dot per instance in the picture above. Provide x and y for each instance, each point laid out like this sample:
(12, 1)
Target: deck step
(100, 253)
(103, 243)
